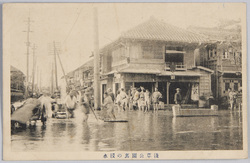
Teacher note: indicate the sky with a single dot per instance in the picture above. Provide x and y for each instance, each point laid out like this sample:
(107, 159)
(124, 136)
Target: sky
(71, 27)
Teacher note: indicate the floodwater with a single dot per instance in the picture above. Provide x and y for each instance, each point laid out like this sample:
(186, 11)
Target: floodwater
(143, 132)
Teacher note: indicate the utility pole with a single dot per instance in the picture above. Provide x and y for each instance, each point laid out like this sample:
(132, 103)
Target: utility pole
(55, 65)
(96, 62)
(40, 81)
(37, 79)
(33, 70)
(52, 78)
(62, 68)
(28, 45)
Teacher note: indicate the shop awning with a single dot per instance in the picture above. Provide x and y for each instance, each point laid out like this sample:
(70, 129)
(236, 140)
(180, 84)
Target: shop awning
(140, 71)
(180, 73)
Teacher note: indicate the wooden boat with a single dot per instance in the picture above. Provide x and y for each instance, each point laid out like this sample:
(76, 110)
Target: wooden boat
(116, 120)
(179, 112)
(61, 115)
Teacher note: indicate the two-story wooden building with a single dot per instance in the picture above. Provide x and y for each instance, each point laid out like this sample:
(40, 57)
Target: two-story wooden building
(156, 54)
(224, 56)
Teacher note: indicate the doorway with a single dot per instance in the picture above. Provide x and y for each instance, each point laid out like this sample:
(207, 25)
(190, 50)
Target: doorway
(185, 91)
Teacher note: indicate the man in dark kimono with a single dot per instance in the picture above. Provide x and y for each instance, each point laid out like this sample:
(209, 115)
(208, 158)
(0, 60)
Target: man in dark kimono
(177, 96)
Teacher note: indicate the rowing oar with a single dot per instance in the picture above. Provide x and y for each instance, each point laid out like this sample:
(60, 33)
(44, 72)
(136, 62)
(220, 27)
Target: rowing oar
(94, 113)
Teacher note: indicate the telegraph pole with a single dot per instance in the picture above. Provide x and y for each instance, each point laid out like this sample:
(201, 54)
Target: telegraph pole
(52, 79)
(28, 45)
(33, 70)
(96, 62)
(62, 67)
(55, 65)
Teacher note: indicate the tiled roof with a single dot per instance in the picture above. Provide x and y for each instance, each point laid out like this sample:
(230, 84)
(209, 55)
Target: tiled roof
(14, 69)
(87, 65)
(218, 34)
(155, 29)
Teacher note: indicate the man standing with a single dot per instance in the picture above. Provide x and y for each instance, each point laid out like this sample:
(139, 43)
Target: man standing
(156, 99)
(124, 99)
(232, 98)
(70, 103)
(108, 107)
(177, 97)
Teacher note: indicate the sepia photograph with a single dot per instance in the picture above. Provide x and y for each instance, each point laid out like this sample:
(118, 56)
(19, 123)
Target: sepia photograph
(124, 81)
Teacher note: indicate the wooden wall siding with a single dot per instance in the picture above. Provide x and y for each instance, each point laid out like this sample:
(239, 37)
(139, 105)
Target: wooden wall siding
(205, 83)
(158, 66)
(189, 57)
(135, 51)
(139, 78)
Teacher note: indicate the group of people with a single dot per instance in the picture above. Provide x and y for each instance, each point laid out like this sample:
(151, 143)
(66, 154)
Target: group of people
(137, 98)
(142, 99)
(232, 98)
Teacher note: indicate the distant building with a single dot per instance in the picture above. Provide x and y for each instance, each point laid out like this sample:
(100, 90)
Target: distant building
(17, 84)
(82, 76)
(224, 56)
(156, 54)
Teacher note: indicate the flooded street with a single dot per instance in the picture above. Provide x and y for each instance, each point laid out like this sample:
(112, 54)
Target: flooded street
(143, 132)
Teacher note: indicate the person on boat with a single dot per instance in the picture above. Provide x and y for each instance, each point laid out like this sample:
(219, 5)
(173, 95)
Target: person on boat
(108, 107)
(156, 99)
(70, 103)
(147, 100)
(177, 96)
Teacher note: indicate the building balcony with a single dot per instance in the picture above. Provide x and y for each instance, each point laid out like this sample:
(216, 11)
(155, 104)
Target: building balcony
(177, 67)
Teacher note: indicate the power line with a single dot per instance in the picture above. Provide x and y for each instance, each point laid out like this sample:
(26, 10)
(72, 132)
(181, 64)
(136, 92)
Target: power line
(72, 26)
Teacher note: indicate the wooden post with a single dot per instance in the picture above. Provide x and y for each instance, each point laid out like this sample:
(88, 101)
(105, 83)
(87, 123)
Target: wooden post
(52, 79)
(156, 84)
(168, 84)
(33, 70)
(96, 62)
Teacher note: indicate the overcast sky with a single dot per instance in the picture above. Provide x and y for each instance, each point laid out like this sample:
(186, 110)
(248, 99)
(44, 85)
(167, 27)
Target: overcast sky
(71, 25)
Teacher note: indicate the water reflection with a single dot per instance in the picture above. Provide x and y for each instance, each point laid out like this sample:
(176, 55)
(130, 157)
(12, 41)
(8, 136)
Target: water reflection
(144, 131)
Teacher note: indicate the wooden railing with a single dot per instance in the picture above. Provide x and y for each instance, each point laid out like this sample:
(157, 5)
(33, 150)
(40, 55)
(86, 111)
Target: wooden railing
(178, 67)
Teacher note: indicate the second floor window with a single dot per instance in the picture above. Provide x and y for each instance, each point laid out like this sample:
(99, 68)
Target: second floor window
(225, 55)
(174, 55)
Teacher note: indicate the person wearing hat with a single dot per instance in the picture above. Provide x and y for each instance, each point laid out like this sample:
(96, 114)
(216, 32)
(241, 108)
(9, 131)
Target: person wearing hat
(178, 97)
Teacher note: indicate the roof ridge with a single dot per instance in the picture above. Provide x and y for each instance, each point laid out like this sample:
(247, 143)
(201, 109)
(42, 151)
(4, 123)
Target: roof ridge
(155, 28)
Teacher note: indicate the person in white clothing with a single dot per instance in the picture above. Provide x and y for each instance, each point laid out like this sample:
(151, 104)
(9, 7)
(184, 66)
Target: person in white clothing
(124, 99)
(70, 103)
